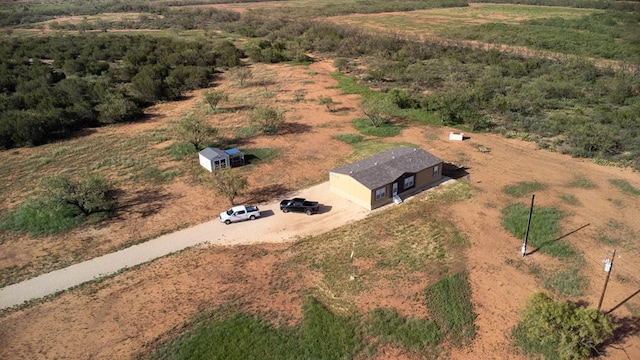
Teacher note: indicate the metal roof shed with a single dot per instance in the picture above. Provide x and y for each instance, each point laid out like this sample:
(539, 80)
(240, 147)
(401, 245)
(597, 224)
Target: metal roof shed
(213, 159)
(236, 157)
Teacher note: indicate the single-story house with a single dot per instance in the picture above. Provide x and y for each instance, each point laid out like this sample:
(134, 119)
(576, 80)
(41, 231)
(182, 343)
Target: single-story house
(214, 158)
(386, 177)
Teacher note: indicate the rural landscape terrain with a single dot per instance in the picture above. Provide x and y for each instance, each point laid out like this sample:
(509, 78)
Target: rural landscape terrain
(105, 104)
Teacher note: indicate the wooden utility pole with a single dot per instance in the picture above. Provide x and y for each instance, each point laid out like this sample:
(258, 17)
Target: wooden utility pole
(526, 236)
(608, 265)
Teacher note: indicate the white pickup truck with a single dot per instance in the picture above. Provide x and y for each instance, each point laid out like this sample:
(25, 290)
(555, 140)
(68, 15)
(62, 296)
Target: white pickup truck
(239, 213)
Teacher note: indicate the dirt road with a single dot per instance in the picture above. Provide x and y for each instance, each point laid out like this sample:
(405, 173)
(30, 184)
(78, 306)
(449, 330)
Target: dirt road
(273, 226)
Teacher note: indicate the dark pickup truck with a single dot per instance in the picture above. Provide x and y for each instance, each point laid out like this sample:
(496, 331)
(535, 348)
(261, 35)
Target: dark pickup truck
(299, 205)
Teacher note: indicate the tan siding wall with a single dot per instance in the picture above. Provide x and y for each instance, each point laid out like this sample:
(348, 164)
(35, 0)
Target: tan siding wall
(349, 188)
(425, 177)
(385, 200)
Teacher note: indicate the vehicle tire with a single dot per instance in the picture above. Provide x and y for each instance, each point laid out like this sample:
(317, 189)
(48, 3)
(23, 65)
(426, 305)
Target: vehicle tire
(227, 222)
(252, 217)
(285, 210)
(309, 212)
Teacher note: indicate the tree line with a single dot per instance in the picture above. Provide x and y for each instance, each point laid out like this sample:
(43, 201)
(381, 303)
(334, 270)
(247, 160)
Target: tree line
(53, 86)
(568, 105)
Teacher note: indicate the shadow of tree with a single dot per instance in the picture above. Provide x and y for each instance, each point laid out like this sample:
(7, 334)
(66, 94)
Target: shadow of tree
(294, 128)
(233, 109)
(146, 202)
(624, 327)
(267, 193)
(342, 109)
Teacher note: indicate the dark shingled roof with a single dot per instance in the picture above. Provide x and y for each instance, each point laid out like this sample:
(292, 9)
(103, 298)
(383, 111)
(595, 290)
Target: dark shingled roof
(383, 168)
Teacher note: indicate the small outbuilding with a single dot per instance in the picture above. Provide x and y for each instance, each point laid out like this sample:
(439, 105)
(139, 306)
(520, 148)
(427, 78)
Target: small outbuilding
(214, 158)
(386, 177)
(236, 157)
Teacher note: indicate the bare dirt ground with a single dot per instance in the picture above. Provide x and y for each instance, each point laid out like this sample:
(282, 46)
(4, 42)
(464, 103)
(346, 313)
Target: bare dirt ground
(127, 314)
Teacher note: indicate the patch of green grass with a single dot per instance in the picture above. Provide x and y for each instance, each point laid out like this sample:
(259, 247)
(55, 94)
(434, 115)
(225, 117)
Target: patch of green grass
(179, 151)
(607, 240)
(461, 190)
(388, 327)
(568, 282)
(322, 335)
(523, 188)
(625, 187)
(449, 303)
(349, 138)
(384, 130)
(420, 116)
(570, 199)
(260, 155)
(350, 85)
(581, 182)
(39, 218)
(246, 132)
(544, 232)
(418, 244)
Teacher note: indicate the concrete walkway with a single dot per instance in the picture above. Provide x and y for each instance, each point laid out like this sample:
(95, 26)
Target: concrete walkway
(273, 227)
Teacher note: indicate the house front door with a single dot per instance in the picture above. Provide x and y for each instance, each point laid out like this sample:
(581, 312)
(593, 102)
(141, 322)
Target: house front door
(394, 189)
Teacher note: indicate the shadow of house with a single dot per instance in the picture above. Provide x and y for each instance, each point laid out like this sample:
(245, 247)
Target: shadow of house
(266, 193)
(386, 177)
(454, 171)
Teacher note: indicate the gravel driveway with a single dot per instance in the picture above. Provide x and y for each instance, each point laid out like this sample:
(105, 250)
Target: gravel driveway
(273, 226)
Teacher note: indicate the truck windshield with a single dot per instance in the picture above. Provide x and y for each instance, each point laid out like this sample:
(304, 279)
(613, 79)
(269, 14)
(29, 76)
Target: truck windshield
(229, 212)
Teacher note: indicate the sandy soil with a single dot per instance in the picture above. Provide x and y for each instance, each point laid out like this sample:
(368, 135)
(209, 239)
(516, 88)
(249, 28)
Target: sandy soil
(127, 314)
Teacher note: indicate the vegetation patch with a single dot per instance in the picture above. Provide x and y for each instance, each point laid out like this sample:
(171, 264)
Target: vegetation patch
(568, 283)
(413, 334)
(544, 234)
(350, 85)
(178, 151)
(449, 303)
(570, 199)
(523, 188)
(625, 187)
(39, 217)
(561, 330)
(607, 240)
(322, 335)
(260, 155)
(383, 130)
(582, 182)
(349, 138)
(63, 203)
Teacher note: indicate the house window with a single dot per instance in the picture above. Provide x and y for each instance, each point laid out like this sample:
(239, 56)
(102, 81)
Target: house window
(381, 193)
(435, 170)
(409, 182)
